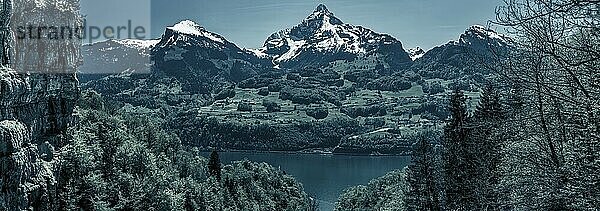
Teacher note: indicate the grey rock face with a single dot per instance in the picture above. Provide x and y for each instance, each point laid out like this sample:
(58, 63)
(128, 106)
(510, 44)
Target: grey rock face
(322, 38)
(38, 94)
(35, 108)
(25, 179)
(43, 102)
(44, 53)
(12, 134)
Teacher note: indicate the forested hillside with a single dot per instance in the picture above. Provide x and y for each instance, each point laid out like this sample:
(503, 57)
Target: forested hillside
(532, 143)
(121, 158)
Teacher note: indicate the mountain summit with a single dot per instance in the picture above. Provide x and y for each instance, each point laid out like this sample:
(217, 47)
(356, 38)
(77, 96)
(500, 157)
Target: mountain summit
(191, 28)
(322, 38)
(321, 8)
(460, 58)
(323, 15)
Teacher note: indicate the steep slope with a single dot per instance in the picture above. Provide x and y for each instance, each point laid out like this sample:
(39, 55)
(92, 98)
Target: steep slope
(38, 93)
(476, 46)
(198, 58)
(188, 64)
(322, 38)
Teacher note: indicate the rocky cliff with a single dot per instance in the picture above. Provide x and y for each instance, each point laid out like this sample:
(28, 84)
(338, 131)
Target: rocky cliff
(323, 38)
(38, 94)
(43, 102)
(26, 169)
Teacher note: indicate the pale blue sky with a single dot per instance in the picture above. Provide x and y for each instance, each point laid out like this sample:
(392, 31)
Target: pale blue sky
(424, 23)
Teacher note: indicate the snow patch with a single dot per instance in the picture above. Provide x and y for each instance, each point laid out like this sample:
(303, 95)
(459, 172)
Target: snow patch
(139, 44)
(416, 53)
(258, 52)
(295, 46)
(191, 28)
(481, 30)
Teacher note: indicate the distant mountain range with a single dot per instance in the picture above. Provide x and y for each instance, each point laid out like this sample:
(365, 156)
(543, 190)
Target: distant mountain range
(317, 41)
(321, 85)
(117, 56)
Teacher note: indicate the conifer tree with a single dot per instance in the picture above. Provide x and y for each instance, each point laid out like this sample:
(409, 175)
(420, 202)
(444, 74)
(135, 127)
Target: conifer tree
(490, 107)
(486, 141)
(422, 176)
(457, 171)
(214, 165)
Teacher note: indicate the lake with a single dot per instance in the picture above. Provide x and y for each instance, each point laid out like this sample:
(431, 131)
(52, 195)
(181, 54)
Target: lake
(325, 176)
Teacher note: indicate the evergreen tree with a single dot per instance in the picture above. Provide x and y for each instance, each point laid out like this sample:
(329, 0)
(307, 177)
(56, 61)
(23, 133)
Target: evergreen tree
(456, 155)
(486, 141)
(422, 176)
(490, 107)
(214, 165)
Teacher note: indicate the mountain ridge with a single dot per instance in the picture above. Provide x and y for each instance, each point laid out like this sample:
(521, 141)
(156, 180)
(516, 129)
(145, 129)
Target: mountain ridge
(322, 38)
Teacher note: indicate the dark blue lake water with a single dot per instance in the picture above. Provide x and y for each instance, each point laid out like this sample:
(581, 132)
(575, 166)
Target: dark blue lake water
(325, 176)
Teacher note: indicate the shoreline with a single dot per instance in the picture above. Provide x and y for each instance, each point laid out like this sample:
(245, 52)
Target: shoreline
(314, 152)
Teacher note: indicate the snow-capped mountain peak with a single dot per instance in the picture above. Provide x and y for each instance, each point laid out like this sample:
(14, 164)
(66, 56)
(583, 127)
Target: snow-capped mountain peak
(478, 33)
(188, 47)
(139, 44)
(324, 38)
(191, 28)
(323, 15)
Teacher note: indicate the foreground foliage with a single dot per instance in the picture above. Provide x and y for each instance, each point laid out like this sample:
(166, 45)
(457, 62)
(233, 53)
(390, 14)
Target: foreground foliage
(533, 143)
(384, 193)
(123, 159)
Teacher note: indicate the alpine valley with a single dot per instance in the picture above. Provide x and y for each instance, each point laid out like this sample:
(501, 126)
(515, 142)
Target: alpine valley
(322, 85)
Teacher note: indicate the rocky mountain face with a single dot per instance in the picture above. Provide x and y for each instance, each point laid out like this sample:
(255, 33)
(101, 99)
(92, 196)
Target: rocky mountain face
(43, 102)
(197, 57)
(188, 63)
(38, 94)
(463, 57)
(27, 168)
(322, 38)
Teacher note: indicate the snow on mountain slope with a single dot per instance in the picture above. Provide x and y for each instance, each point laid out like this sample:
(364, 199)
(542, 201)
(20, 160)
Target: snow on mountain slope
(189, 39)
(416, 53)
(322, 38)
(138, 44)
(196, 57)
(257, 52)
(463, 57)
(192, 28)
(483, 33)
